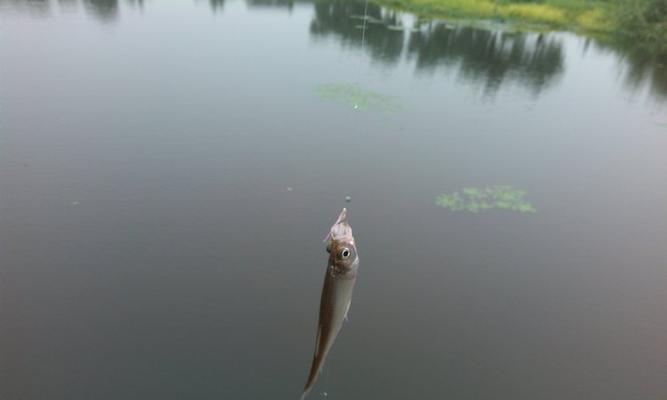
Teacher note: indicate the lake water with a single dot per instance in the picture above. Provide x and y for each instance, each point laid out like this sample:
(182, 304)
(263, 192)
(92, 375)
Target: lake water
(168, 170)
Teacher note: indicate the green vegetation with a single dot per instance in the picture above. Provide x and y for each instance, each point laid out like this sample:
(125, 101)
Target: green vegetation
(643, 21)
(577, 14)
(483, 199)
(358, 98)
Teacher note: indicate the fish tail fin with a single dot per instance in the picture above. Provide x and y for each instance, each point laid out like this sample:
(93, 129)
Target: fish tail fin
(312, 376)
(305, 393)
(315, 368)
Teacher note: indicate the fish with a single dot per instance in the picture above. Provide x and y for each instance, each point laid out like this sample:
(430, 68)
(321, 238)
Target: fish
(339, 280)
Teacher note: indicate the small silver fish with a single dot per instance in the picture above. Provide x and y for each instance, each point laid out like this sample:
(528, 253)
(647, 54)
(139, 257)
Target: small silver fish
(336, 294)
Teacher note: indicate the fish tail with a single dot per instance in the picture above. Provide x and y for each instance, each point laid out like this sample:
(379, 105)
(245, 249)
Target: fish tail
(316, 366)
(305, 393)
(312, 376)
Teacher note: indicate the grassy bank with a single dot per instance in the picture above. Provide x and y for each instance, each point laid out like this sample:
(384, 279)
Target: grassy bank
(641, 20)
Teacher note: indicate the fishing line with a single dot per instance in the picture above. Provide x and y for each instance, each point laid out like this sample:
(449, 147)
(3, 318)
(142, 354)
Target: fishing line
(363, 39)
(363, 27)
(357, 82)
(328, 366)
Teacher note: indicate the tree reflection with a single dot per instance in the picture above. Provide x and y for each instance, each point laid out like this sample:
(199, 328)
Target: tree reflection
(647, 69)
(104, 10)
(489, 56)
(641, 68)
(35, 7)
(289, 4)
(216, 5)
(344, 19)
(136, 3)
(68, 4)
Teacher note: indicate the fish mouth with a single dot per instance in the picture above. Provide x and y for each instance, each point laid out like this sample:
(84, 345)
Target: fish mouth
(342, 217)
(341, 229)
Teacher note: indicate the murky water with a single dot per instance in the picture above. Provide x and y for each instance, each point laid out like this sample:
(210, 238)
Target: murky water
(168, 171)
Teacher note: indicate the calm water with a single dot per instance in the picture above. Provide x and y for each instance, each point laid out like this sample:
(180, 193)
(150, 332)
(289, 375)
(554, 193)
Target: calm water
(168, 171)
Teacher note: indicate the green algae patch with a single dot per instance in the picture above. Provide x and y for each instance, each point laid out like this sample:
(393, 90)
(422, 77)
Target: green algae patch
(476, 200)
(358, 98)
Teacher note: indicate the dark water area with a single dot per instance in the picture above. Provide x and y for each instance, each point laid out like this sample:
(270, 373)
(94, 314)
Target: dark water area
(168, 171)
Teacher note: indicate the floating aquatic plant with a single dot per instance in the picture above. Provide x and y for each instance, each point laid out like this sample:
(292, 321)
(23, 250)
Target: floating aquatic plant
(358, 98)
(482, 199)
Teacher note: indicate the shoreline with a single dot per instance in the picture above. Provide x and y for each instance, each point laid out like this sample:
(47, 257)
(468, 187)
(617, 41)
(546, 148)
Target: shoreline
(596, 19)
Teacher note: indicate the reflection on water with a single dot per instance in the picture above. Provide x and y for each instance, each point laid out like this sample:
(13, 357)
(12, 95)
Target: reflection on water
(104, 10)
(289, 4)
(136, 3)
(490, 56)
(342, 19)
(487, 56)
(149, 248)
(216, 5)
(640, 68)
(640, 72)
(33, 7)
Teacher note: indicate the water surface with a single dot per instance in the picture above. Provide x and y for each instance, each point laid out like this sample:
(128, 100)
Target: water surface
(168, 171)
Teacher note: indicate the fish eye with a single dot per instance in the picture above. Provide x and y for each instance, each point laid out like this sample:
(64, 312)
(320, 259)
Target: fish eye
(345, 253)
